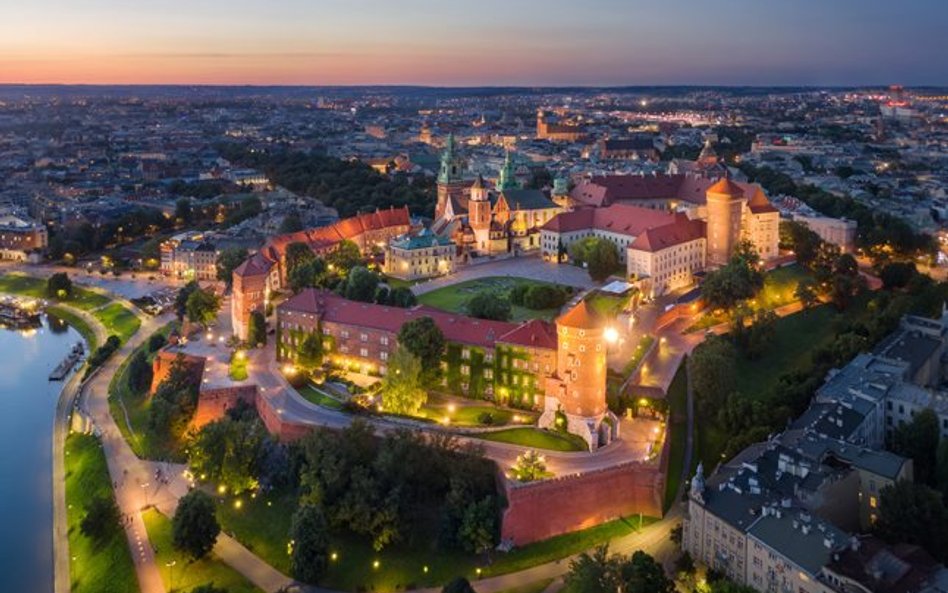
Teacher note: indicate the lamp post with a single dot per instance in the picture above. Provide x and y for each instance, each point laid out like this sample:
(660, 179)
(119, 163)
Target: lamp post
(170, 566)
(144, 486)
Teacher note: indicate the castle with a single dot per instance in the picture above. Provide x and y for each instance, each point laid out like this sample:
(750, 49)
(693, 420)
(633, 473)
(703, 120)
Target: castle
(549, 129)
(488, 222)
(559, 368)
(265, 271)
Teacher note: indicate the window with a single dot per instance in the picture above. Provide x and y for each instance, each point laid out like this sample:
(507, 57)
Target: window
(344, 333)
(384, 340)
(873, 502)
(383, 355)
(466, 354)
(364, 352)
(363, 338)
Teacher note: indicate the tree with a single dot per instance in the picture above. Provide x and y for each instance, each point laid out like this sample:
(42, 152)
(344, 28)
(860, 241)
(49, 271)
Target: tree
(208, 588)
(139, 372)
(227, 261)
(227, 450)
(309, 274)
(194, 528)
(310, 537)
(897, 274)
(345, 256)
(458, 585)
(59, 286)
(603, 260)
(599, 256)
(798, 238)
(530, 466)
(101, 519)
(738, 280)
(183, 210)
(488, 305)
(361, 285)
(641, 573)
(181, 299)
(202, 306)
(257, 332)
(915, 514)
(402, 392)
(291, 223)
(918, 440)
(297, 254)
(713, 373)
(846, 281)
(941, 467)
(423, 338)
(479, 526)
(309, 351)
(402, 296)
(594, 573)
(156, 341)
(806, 292)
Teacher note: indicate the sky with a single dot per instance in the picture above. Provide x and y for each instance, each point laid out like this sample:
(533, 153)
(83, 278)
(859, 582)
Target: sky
(475, 42)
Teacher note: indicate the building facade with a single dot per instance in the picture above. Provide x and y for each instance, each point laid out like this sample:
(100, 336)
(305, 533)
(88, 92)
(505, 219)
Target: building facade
(189, 256)
(22, 239)
(424, 255)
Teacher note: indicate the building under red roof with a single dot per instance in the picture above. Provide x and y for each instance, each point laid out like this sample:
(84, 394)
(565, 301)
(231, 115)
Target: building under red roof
(622, 219)
(604, 190)
(681, 231)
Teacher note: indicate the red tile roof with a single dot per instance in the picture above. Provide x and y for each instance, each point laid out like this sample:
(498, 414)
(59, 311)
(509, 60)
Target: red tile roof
(456, 328)
(604, 190)
(622, 219)
(533, 334)
(662, 237)
(726, 187)
(759, 204)
(255, 265)
(581, 316)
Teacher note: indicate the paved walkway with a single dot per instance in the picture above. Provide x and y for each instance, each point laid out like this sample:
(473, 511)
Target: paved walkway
(531, 267)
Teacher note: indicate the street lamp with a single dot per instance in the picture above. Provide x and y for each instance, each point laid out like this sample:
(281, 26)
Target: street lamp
(611, 335)
(170, 566)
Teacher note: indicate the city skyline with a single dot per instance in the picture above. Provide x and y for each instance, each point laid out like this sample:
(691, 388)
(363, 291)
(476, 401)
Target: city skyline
(601, 43)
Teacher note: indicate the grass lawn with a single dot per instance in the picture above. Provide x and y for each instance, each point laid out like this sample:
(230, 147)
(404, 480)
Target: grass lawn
(77, 322)
(537, 438)
(238, 367)
(319, 397)
(30, 286)
(463, 414)
(644, 344)
(607, 305)
(263, 525)
(779, 286)
(94, 568)
(143, 441)
(678, 427)
(454, 298)
(118, 320)
(188, 574)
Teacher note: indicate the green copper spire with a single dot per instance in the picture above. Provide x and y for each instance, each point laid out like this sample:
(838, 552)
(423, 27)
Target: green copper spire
(507, 180)
(451, 165)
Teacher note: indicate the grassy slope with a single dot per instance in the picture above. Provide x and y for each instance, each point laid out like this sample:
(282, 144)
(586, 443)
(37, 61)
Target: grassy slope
(94, 569)
(118, 320)
(535, 437)
(78, 323)
(678, 409)
(30, 286)
(188, 574)
(454, 298)
(144, 443)
(262, 524)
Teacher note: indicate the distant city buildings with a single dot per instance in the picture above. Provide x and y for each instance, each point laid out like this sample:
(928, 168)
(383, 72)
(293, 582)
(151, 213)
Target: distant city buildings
(21, 238)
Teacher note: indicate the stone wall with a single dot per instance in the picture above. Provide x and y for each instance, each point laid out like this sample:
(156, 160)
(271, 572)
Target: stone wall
(214, 403)
(161, 366)
(284, 430)
(540, 510)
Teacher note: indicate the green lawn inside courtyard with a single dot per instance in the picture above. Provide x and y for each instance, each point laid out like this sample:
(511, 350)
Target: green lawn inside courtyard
(136, 431)
(466, 413)
(104, 567)
(536, 438)
(319, 397)
(186, 574)
(263, 523)
(31, 286)
(454, 298)
(608, 305)
(118, 321)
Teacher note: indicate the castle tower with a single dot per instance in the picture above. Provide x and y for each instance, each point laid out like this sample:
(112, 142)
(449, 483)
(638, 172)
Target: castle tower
(450, 176)
(560, 193)
(541, 124)
(507, 179)
(725, 208)
(578, 391)
(479, 214)
(708, 157)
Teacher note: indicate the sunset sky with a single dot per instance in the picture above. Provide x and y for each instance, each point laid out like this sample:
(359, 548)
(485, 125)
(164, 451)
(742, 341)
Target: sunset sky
(487, 42)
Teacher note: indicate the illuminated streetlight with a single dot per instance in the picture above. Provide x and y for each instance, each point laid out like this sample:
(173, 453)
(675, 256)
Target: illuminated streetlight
(611, 335)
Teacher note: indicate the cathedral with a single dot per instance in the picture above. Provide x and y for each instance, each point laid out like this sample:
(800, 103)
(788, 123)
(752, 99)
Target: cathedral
(485, 221)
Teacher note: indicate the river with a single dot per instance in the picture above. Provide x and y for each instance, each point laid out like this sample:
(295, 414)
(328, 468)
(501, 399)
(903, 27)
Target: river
(27, 412)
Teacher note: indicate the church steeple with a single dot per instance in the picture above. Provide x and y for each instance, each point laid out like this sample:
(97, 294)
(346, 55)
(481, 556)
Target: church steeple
(507, 179)
(452, 166)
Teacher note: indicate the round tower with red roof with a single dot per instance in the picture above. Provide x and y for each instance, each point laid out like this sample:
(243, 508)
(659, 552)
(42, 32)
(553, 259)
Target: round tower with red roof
(577, 394)
(725, 210)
